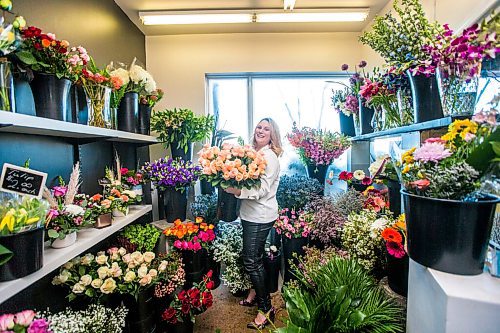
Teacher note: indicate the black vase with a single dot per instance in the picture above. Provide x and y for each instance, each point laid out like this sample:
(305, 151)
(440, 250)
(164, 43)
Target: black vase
(397, 274)
(28, 254)
(195, 266)
(180, 152)
(449, 235)
(144, 122)
(358, 187)
(50, 95)
(227, 206)
(141, 315)
(291, 246)
(318, 172)
(394, 196)
(215, 267)
(174, 204)
(272, 268)
(79, 109)
(128, 112)
(346, 124)
(365, 117)
(186, 326)
(425, 97)
(206, 187)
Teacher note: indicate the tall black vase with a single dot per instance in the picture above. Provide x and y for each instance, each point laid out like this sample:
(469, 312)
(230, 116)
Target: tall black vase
(144, 121)
(50, 95)
(206, 187)
(449, 235)
(180, 152)
(397, 274)
(291, 246)
(186, 326)
(174, 204)
(227, 206)
(347, 124)
(365, 117)
(318, 172)
(141, 316)
(272, 268)
(394, 196)
(128, 112)
(195, 266)
(425, 97)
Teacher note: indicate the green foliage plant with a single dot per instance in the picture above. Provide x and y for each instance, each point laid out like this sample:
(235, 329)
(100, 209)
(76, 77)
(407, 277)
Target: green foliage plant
(143, 236)
(294, 192)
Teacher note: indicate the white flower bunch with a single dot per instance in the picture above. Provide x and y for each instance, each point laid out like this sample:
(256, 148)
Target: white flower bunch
(361, 239)
(95, 319)
(375, 167)
(140, 80)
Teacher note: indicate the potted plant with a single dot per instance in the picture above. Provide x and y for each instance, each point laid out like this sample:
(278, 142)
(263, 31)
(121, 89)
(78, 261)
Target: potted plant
(147, 101)
(394, 39)
(192, 239)
(171, 177)
(122, 200)
(133, 180)
(448, 221)
(357, 180)
(232, 166)
(188, 304)
(227, 249)
(21, 235)
(317, 149)
(394, 236)
(179, 128)
(134, 80)
(100, 209)
(295, 228)
(65, 217)
(327, 222)
(54, 65)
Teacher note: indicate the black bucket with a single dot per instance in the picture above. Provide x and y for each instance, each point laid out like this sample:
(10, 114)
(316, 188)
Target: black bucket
(227, 206)
(397, 274)
(174, 204)
(272, 267)
(128, 112)
(195, 266)
(346, 124)
(290, 246)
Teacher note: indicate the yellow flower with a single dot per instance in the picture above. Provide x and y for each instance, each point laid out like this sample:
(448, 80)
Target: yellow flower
(401, 221)
(407, 156)
(460, 127)
(33, 220)
(406, 169)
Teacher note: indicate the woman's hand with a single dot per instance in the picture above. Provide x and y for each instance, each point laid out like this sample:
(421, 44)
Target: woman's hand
(232, 190)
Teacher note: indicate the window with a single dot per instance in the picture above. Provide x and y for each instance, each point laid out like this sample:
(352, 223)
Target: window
(242, 100)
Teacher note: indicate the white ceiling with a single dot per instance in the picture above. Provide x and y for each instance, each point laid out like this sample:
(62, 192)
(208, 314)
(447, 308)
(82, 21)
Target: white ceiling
(133, 7)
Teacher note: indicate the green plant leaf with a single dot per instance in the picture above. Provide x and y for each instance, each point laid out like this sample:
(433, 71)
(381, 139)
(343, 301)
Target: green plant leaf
(26, 57)
(5, 254)
(481, 157)
(53, 234)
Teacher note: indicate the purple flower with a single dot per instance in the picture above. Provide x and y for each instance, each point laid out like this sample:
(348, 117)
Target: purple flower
(362, 64)
(59, 191)
(344, 67)
(431, 152)
(39, 326)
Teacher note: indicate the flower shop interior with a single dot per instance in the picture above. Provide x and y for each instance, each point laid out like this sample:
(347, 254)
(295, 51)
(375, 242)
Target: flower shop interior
(124, 124)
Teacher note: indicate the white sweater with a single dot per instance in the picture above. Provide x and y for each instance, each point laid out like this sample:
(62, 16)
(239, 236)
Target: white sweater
(259, 204)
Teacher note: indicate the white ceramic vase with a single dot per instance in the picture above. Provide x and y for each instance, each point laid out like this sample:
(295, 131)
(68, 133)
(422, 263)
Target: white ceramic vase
(69, 240)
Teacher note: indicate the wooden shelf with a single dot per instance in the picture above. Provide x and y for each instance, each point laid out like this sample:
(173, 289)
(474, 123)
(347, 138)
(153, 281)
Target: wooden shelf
(54, 258)
(26, 124)
(426, 125)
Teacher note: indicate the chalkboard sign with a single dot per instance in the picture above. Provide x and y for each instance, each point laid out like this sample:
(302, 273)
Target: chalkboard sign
(16, 179)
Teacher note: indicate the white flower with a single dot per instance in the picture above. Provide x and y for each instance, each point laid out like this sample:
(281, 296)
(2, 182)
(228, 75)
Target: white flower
(148, 256)
(145, 280)
(130, 194)
(102, 259)
(87, 259)
(127, 258)
(68, 265)
(137, 257)
(108, 286)
(74, 210)
(78, 288)
(142, 271)
(122, 74)
(163, 266)
(150, 84)
(273, 248)
(377, 226)
(122, 251)
(64, 276)
(375, 166)
(137, 74)
(115, 270)
(86, 279)
(96, 283)
(102, 272)
(153, 272)
(359, 174)
(130, 276)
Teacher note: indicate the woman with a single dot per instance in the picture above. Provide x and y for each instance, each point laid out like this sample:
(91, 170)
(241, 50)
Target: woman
(258, 211)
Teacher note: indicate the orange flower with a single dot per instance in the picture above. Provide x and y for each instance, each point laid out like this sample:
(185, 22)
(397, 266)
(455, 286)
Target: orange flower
(392, 235)
(199, 219)
(96, 197)
(115, 192)
(45, 42)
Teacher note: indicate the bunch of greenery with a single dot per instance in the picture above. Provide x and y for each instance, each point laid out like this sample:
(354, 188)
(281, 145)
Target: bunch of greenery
(339, 297)
(295, 192)
(400, 42)
(142, 237)
(227, 248)
(205, 206)
(181, 126)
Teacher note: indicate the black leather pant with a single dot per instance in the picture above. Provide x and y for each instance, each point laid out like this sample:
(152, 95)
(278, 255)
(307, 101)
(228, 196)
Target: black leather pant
(254, 241)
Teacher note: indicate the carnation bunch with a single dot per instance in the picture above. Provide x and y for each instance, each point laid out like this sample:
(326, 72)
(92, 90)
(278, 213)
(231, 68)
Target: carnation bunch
(232, 166)
(294, 224)
(26, 321)
(113, 271)
(169, 173)
(189, 303)
(317, 147)
(449, 167)
(191, 236)
(394, 236)
(121, 200)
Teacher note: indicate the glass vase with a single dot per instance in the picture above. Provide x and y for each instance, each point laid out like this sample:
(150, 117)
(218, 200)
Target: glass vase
(457, 90)
(114, 120)
(378, 119)
(357, 128)
(405, 106)
(98, 98)
(7, 101)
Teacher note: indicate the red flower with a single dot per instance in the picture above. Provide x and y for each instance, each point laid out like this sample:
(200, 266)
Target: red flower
(209, 274)
(123, 171)
(182, 295)
(210, 285)
(366, 181)
(395, 249)
(196, 303)
(185, 308)
(170, 315)
(343, 175)
(193, 293)
(207, 299)
(392, 235)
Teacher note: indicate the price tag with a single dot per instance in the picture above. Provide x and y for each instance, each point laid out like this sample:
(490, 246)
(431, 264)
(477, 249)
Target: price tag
(104, 182)
(16, 179)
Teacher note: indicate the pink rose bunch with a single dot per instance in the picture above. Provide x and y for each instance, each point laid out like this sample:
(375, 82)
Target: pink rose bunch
(23, 322)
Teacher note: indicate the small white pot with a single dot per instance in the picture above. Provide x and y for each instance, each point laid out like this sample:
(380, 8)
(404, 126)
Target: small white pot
(69, 240)
(117, 213)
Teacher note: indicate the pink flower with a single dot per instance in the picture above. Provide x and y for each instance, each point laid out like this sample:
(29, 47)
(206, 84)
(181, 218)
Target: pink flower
(433, 140)
(196, 246)
(6, 322)
(25, 317)
(431, 152)
(178, 244)
(395, 249)
(366, 181)
(39, 326)
(123, 171)
(60, 191)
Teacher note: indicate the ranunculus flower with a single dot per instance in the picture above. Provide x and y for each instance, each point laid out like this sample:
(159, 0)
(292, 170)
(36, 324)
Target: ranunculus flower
(102, 272)
(6, 322)
(163, 266)
(123, 171)
(102, 259)
(149, 256)
(193, 293)
(170, 315)
(24, 318)
(38, 326)
(144, 281)
(86, 279)
(142, 271)
(130, 276)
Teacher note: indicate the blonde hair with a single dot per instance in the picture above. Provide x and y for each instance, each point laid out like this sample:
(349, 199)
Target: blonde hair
(275, 143)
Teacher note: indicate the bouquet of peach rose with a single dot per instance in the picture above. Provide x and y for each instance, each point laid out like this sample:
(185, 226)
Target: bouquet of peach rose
(232, 166)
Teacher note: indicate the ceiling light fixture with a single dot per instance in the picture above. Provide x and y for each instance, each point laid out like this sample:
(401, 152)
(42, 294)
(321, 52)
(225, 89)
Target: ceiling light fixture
(288, 4)
(249, 16)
